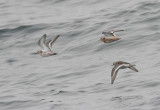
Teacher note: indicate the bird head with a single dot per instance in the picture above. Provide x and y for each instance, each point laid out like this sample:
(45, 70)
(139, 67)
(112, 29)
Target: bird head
(112, 33)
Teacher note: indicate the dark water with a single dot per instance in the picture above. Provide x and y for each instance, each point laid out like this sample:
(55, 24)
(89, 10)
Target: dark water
(78, 78)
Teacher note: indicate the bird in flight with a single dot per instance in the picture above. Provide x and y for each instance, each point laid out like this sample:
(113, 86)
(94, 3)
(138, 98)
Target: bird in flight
(46, 47)
(120, 65)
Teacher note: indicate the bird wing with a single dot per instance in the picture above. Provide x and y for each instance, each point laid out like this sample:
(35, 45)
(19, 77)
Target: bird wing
(41, 41)
(113, 69)
(49, 43)
(133, 68)
(117, 30)
(114, 72)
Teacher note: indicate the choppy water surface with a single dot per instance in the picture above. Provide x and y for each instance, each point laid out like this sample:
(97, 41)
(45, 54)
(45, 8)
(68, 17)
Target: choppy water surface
(78, 78)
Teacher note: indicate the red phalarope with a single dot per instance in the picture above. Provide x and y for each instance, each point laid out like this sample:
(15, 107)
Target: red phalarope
(120, 65)
(46, 45)
(112, 35)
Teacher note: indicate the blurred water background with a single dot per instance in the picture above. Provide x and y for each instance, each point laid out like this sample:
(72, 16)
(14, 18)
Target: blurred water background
(78, 78)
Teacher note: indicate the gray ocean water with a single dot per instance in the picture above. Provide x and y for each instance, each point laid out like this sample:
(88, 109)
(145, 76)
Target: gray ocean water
(79, 77)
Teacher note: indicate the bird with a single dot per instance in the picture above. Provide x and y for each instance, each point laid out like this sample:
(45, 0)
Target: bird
(120, 65)
(109, 40)
(111, 33)
(46, 46)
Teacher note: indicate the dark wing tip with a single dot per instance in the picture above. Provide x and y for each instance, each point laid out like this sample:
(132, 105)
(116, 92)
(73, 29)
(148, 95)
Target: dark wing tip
(137, 70)
(111, 82)
(44, 35)
(118, 30)
(34, 53)
(134, 69)
(57, 37)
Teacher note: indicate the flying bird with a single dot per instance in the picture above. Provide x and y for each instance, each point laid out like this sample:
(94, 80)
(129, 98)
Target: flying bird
(120, 65)
(46, 47)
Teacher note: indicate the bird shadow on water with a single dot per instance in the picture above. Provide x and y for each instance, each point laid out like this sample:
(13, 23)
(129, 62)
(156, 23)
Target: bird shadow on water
(128, 101)
(121, 98)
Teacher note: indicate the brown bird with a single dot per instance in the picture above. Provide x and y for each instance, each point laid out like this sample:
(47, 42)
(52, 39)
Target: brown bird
(120, 65)
(109, 40)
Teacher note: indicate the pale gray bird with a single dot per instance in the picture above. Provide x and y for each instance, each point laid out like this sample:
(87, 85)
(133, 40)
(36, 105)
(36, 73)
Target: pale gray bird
(120, 65)
(46, 46)
(111, 33)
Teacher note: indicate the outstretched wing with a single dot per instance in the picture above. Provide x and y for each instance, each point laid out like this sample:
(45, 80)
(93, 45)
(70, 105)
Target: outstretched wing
(114, 72)
(117, 30)
(133, 68)
(49, 43)
(41, 41)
